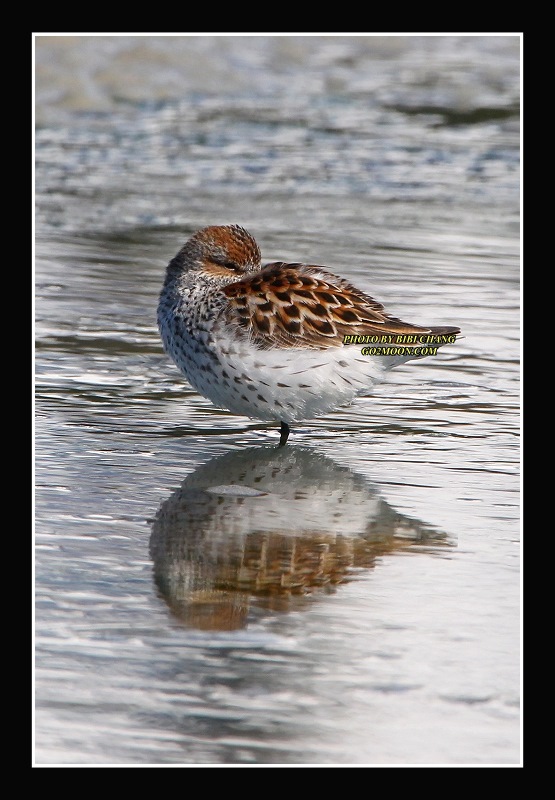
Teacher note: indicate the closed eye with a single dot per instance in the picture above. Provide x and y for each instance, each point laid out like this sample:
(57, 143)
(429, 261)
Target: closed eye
(228, 265)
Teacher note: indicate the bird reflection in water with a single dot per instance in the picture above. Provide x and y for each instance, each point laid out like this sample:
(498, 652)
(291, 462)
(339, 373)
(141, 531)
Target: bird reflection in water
(266, 528)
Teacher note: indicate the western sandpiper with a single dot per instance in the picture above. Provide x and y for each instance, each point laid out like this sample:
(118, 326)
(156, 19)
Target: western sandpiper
(284, 342)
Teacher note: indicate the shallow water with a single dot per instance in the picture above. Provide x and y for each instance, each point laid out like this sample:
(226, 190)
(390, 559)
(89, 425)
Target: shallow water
(202, 597)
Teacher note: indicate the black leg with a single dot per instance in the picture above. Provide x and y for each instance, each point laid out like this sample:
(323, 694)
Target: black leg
(284, 434)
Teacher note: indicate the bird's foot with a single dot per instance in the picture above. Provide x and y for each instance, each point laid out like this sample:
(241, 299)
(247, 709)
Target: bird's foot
(284, 434)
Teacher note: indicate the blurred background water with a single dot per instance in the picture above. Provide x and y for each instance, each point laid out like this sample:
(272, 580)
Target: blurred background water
(201, 597)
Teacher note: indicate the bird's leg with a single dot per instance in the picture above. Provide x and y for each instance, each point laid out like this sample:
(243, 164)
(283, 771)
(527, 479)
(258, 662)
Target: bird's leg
(284, 434)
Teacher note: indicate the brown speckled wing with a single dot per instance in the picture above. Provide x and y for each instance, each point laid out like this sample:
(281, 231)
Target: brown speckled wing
(299, 305)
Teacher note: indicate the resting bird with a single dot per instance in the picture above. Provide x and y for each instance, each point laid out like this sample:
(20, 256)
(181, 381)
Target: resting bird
(281, 342)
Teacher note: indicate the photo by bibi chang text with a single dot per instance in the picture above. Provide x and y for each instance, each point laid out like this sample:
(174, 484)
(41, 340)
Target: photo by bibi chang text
(389, 344)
